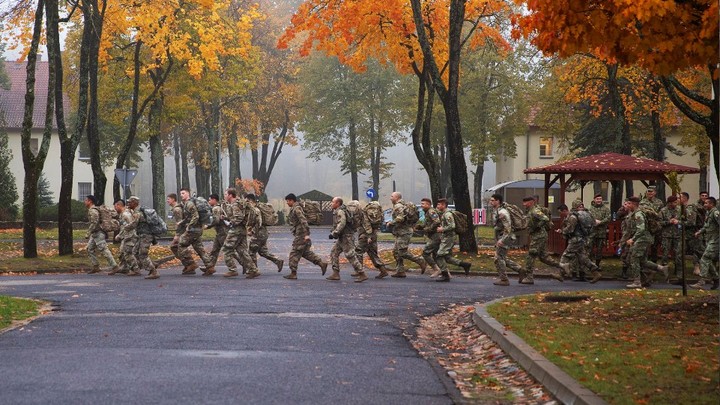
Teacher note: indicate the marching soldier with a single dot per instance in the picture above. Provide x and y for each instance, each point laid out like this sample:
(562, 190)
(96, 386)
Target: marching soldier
(142, 249)
(127, 235)
(403, 233)
(601, 214)
(177, 215)
(220, 232)
(257, 230)
(575, 252)
(538, 226)
(430, 228)
(447, 239)
(301, 245)
(96, 237)
(692, 222)
(192, 237)
(651, 201)
(343, 234)
(236, 248)
(504, 237)
(367, 243)
(670, 221)
(711, 230)
(639, 242)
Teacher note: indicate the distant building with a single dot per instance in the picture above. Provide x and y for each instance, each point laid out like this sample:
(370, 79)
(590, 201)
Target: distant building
(12, 106)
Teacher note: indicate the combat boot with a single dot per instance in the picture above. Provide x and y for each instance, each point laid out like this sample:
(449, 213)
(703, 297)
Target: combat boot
(696, 269)
(527, 279)
(437, 271)
(231, 273)
(400, 273)
(323, 267)
(190, 269)
(715, 284)
(635, 284)
(280, 264)
(335, 276)
(557, 276)
(291, 276)
(624, 274)
(521, 276)
(502, 282)
(566, 269)
(95, 269)
(664, 270)
(209, 271)
(383, 273)
(361, 277)
(423, 266)
(114, 271)
(445, 277)
(596, 275)
(700, 285)
(581, 277)
(252, 274)
(466, 267)
(153, 275)
(355, 274)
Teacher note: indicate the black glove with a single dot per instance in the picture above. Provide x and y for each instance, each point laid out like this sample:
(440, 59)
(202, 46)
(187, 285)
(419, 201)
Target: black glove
(331, 236)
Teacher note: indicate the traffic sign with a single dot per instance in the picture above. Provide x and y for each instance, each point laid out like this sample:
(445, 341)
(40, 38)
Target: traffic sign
(370, 193)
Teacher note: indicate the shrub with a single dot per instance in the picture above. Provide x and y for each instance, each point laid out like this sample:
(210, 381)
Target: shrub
(50, 213)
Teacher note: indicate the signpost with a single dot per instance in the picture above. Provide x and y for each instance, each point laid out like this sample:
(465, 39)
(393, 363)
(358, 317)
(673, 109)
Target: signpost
(125, 177)
(371, 194)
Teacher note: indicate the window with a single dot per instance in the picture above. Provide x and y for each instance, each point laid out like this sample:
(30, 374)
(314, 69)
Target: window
(34, 146)
(546, 144)
(83, 151)
(84, 189)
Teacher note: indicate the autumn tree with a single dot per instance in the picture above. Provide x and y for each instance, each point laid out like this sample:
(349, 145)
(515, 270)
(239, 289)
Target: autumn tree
(664, 37)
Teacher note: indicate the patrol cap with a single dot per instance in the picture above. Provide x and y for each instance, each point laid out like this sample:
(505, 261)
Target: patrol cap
(529, 198)
(577, 204)
(251, 197)
(651, 188)
(634, 199)
(133, 198)
(597, 195)
(562, 207)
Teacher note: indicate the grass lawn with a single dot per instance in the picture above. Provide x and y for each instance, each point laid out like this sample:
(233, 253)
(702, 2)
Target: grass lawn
(50, 234)
(629, 346)
(16, 309)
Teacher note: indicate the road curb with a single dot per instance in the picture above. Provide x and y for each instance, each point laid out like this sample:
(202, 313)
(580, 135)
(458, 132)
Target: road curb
(565, 388)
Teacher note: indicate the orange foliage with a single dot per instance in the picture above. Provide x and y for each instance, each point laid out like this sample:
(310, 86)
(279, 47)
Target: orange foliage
(661, 36)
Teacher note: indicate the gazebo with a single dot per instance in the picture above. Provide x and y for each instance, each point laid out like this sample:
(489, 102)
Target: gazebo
(606, 166)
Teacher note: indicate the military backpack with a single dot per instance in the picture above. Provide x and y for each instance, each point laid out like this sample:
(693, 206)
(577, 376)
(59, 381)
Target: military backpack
(461, 222)
(652, 220)
(585, 223)
(354, 214)
(412, 215)
(153, 224)
(374, 213)
(268, 214)
(518, 219)
(204, 210)
(313, 212)
(108, 219)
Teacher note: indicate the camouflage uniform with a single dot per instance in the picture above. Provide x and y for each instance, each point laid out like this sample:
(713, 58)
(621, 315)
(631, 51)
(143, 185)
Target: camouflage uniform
(177, 214)
(192, 237)
(575, 253)
(625, 228)
(709, 260)
(598, 239)
(671, 235)
(259, 237)
(236, 248)
(538, 224)
(367, 243)
(344, 241)
(693, 246)
(403, 233)
(656, 204)
(145, 240)
(432, 222)
(218, 223)
(503, 232)
(128, 235)
(96, 240)
(447, 239)
(642, 240)
(301, 248)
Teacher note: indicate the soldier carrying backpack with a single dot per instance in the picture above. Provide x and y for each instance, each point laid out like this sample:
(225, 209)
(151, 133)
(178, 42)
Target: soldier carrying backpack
(404, 217)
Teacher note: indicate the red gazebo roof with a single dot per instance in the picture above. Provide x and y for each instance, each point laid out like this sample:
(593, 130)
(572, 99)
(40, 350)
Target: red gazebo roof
(615, 163)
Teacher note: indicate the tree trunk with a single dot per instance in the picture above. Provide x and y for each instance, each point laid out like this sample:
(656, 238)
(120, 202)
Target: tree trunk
(184, 166)
(68, 144)
(176, 158)
(33, 164)
(375, 155)
(703, 181)
(421, 132)
(212, 127)
(157, 156)
(616, 195)
(352, 133)
(478, 184)
(93, 20)
(263, 158)
(202, 179)
(233, 156)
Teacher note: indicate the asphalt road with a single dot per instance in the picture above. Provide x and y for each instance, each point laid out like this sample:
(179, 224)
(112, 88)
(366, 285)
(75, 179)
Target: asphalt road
(192, 339)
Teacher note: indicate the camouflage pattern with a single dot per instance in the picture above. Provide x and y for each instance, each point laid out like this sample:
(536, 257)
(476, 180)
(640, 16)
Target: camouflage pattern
(258, 237)
(403, 233)
(447, 239)
(429, 227)
(192, 238)
(642, 241)
(301, 247)
(625, 228)
(598, 240)
(503, 232)
(128, 235)
(97, 245)
(344, 241)
(142, 252)
(218, 223)
(576, 251)
(367, 243)
(537, 250)
(671, 234)
(236, 248)
(656, 204)
(177, 214)
(710, 230)
(693, 246)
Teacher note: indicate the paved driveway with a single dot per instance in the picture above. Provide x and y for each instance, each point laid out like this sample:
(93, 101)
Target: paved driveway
(184, 339)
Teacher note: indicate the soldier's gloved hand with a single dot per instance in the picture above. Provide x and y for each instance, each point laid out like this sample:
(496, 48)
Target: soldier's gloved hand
(331, 236)
(117, 238)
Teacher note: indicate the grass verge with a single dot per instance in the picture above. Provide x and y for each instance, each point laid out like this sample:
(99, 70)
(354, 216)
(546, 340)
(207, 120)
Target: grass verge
(631, 346)
(16, 309)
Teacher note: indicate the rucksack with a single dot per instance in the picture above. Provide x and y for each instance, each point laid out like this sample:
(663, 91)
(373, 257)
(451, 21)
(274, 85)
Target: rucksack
(153, 224)
(268, 213)
(204, 210)
(313, 212)
(461, 222)
(518, 219)
(585, 224)
(355, 214)
(108, 219)
(652, 220)
(412, 215)
(374, 213)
